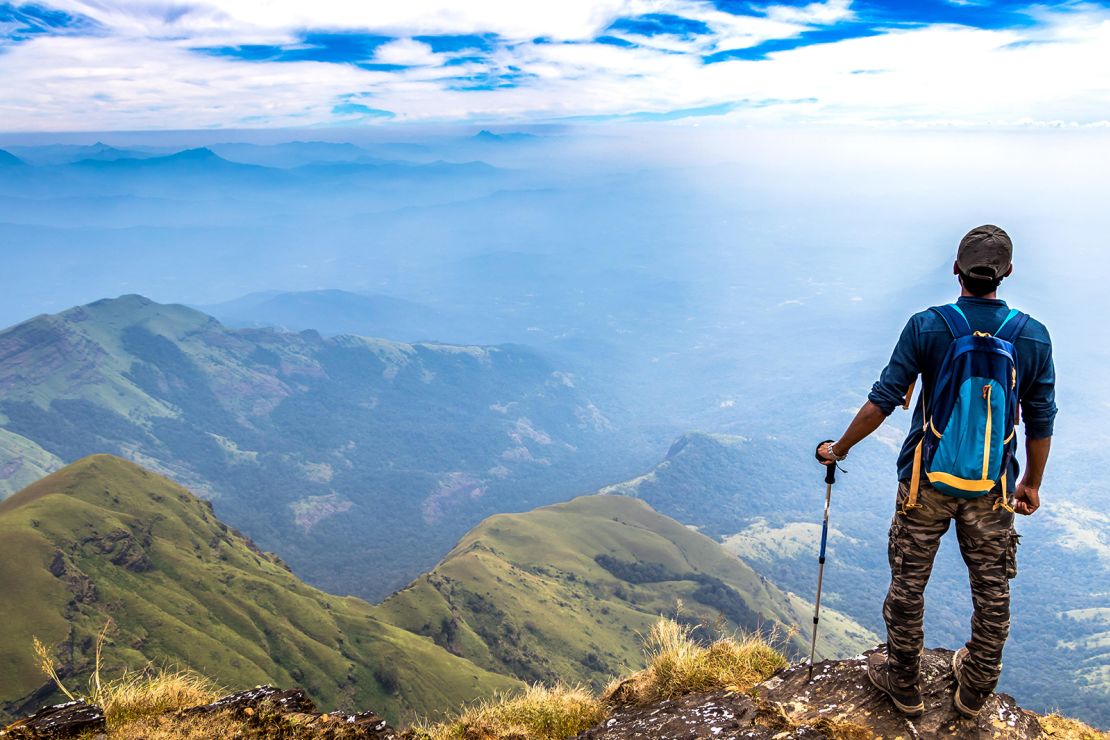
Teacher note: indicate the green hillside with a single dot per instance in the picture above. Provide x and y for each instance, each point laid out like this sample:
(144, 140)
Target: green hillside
(326, 450)
(562, 592)
(103, 538)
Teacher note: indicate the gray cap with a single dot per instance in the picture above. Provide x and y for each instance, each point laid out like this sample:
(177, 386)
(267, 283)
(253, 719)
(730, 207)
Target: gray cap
(985, 251)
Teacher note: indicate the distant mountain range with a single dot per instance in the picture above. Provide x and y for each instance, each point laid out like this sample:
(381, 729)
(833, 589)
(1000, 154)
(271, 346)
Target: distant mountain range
(54, 154)
(342, 312)
(327, 450)
(202, 173)
(282, 154)
(558, 593)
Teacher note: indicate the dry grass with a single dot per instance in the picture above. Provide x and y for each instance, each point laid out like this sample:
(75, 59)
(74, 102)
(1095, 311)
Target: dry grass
(1070, 729)
(838, 729)
(137, 694)
(678, 665)
(540, 713)
(170, 727)
(153, 692)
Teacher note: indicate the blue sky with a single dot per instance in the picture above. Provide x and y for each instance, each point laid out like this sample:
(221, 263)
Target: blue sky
(142, 64)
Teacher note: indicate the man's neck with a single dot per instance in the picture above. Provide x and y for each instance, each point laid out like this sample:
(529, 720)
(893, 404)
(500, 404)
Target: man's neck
(993, 295)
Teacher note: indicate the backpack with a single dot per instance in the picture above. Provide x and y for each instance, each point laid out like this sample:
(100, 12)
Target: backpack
(970, 422)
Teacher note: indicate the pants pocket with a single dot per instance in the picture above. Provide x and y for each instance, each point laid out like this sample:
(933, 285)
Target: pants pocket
(1011, 554)
(895, 548)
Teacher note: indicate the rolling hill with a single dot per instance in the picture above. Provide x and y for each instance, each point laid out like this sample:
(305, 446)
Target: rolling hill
(327, 450)
(561, 593)
(103, 538)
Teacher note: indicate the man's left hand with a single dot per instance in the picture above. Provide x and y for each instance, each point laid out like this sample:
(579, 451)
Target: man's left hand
(1026, 499)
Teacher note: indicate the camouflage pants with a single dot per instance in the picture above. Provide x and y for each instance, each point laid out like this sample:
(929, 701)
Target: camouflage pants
(988, 544)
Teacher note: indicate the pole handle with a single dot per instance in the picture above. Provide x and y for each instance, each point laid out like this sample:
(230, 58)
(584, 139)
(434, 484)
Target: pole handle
(830, 468)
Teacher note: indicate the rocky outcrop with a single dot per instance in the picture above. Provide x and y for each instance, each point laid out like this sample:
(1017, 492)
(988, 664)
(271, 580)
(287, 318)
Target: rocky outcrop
(261, 712)
(839, 703)
(246, 703)
(58, 721)
(124, 549)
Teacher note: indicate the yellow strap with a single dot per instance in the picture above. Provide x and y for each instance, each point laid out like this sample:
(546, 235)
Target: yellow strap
(1012, 433)
(973, 486)
(1003, 501)
(915, 478)
(909, 393)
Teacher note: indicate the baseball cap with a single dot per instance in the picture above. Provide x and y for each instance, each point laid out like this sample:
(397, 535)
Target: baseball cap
(985, 251)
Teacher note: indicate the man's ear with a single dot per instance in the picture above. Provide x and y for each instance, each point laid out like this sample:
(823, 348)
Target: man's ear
(1009, 271)
(956, 268)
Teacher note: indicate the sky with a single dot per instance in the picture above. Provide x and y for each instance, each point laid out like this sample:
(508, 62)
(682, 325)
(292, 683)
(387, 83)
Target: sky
(110, 65)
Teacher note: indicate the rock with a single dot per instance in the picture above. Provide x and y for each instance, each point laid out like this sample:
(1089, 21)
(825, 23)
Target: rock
(57, 721)
(840, 690)
(246, 703)
(839, 703)
(261, 712)
(270, 712)
(720, 714)
(58, 564)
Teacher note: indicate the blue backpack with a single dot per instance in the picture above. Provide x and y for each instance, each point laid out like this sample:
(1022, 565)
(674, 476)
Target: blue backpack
(970, 422)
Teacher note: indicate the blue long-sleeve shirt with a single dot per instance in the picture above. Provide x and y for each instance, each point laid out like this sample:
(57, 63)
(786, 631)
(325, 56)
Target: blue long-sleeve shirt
(921, 349)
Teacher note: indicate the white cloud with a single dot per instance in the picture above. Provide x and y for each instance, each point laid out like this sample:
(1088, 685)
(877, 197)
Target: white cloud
(406, 52)
(831, 11)
(565, 19)
(143, 73)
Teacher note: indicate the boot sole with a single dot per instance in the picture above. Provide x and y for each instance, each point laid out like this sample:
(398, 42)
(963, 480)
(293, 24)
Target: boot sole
(906, 709)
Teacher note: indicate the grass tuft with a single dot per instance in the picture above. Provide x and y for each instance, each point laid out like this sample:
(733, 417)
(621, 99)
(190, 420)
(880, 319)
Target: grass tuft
(679, 665)
(838, 729)
(1064, 728)
(154, 692)
(539, 713)
(135, 694)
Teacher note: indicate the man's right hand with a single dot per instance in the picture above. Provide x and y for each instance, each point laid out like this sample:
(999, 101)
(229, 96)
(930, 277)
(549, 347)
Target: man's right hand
(1026, 499)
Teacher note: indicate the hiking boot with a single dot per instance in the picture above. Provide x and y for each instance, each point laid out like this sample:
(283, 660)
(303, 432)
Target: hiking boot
(908, 701)
(968, 701)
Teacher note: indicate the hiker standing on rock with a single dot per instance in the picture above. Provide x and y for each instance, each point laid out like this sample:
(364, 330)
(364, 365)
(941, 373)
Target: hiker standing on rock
(977, 359)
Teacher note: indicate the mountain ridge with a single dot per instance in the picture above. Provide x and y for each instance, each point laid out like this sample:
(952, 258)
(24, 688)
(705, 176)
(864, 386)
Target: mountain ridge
(285, 431)
(610, 565)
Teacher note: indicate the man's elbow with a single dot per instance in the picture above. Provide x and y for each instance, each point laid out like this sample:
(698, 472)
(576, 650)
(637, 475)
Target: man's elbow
(879, 406)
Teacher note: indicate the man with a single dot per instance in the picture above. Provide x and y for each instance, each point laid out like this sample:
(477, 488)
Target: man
(984, 523)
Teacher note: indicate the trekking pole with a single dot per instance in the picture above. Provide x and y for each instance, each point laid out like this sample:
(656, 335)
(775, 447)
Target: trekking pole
(830, 478)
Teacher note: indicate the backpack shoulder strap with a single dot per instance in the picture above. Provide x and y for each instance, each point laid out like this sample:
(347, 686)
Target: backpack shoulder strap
(955, 319)
(1012, 325)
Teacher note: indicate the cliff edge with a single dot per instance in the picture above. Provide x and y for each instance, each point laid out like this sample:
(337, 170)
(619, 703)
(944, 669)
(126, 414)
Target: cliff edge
(839, 703)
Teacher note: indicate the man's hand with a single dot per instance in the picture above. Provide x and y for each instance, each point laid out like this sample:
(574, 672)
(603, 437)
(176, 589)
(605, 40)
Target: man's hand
(1026, 499)
(824, 456)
